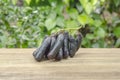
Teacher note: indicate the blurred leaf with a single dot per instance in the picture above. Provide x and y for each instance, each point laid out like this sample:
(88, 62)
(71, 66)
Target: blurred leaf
(117, 31)
(100, 33)
(90, 36)
(11, 41)
(95, 45)
(28, 1)
(14, 1)
(59, 8)
(84, 41)
(85, 19)
(117, 44)
(66, 2)
(102, 0)
(55, 30)
(24, 37)
(50, 23)
(79, 8)
(52, 15)
(87, 6)
(6, 22)
(97, 23)
(3, 40)
(37, 1)
(71, 24)
(94, 2)
(60, 22)
(117, 2)
(53, 2)
(73, 13)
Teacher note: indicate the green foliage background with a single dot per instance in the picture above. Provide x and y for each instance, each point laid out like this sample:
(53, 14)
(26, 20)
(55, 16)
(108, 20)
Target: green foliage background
(24, 23)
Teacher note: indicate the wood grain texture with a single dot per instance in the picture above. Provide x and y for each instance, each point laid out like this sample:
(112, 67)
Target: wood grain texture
(88, 64)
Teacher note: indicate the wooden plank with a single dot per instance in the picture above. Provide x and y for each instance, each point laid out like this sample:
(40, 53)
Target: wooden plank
(88, 64)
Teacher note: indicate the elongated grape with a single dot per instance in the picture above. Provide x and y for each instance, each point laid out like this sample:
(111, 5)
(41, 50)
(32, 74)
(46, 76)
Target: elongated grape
(57, 46)
(72, 46)
(78, 39)
(50, 47)
(53, 41)
(59, 56)
(66, 45)
(43, 48)
(36, 51)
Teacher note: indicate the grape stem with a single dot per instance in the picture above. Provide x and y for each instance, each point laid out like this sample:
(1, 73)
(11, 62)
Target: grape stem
(70, 29)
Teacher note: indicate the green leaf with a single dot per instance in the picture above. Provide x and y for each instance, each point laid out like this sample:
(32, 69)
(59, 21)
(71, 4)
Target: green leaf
(50, 23)
(24, 37)
(59, 8)
(56, 29)
(116, 2)
(71, 24)
(52, 15)
(97, 23)
(83, 1)
(79, 8)
(100, 33)
(60, 21)
(95, 45)
(85, 19)
(90, 36)
(84, 41)
(53, 2)
(3, 40)
(94, 2)
(117, 44)
(117, 31)
(6, 22)
(102, 0)
(66, 2)
(37, 1)
(28, 1)
(11, 41)
(14, 1)
(73, 13)
(87, 6)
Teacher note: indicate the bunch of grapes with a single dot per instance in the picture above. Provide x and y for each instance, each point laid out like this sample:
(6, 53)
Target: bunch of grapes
(58, 46)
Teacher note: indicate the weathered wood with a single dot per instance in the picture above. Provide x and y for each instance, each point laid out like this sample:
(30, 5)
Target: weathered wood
(88, 64)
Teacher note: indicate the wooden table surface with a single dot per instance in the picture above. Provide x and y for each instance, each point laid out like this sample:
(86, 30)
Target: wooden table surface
(88, 64)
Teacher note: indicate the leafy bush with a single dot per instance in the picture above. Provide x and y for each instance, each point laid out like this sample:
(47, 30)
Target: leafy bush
(24, 24)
